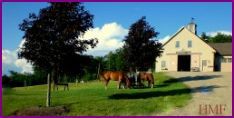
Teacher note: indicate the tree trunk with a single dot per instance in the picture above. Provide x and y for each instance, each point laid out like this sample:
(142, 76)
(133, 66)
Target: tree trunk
(54, 79)
(48, 99)
(98, 72)
(136, 77)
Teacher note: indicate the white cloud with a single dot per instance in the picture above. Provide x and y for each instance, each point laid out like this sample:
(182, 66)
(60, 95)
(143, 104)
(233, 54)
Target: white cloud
(24, 65)
(212, 34)
(164, 39)
(109, 37)
(10, 59)
(21, 44)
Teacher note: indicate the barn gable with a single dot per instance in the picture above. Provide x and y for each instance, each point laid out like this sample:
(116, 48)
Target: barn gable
(190, 35)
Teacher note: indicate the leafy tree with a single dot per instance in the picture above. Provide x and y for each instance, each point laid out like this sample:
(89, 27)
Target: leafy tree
(16, 79)
(141, 48)
(38, 77)
(53, 36)
(204, 36)
(6, 81)
(102, 62)
(115, 60)
(220, 38)
(120, 60)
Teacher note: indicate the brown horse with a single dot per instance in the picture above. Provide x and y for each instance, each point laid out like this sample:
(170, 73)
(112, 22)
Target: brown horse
(119, 76)
(146, 76)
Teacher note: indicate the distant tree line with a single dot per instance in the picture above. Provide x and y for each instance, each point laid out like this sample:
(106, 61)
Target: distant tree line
(15, 79)
(86, 72)
(219, 38)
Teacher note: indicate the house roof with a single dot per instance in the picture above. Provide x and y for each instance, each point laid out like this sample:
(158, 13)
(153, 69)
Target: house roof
(222, 48)
(174, 35)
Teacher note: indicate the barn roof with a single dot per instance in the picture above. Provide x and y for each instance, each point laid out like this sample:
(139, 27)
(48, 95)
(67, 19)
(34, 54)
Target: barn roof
(222, 48)
(189, 31)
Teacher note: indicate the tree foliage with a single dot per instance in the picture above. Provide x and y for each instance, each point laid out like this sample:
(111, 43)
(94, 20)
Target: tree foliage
(141, 48)
(52, 37)
(219, 38)
(15, 79)
(204, 36)
(115, 60)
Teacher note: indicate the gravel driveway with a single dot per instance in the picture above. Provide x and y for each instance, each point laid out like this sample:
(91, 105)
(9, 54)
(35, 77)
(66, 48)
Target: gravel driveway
(212, 94)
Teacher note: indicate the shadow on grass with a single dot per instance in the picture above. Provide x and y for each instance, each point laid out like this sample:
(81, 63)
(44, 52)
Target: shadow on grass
(144, 95)
(161, 85)
(190, 78)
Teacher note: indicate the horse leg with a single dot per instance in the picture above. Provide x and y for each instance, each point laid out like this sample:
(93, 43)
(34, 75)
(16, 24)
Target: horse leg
(118, 84)
(125, 84)
(128, 83)
(152, 84)
(149, 83)
(106, 83)
(152, 80)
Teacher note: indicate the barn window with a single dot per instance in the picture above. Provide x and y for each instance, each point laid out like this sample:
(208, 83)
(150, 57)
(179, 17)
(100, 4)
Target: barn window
(226, 60)
(204, 62)
(177, 44)
(230, 60)
(189, 44)
(163, 64)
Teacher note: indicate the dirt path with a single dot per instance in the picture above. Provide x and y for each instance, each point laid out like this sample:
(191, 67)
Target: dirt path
(210, 91)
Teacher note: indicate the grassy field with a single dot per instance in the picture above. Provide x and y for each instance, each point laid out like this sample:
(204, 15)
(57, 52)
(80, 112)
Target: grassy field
(92, 99)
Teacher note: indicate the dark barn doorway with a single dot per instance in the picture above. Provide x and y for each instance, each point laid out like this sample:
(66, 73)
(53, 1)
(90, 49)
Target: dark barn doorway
(184, 62)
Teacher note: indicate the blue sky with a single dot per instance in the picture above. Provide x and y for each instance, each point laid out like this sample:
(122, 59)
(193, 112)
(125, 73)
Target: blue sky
(167, 18)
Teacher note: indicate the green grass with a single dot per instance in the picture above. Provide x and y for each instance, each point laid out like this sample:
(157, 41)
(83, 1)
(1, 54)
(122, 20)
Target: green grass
(92, 99)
